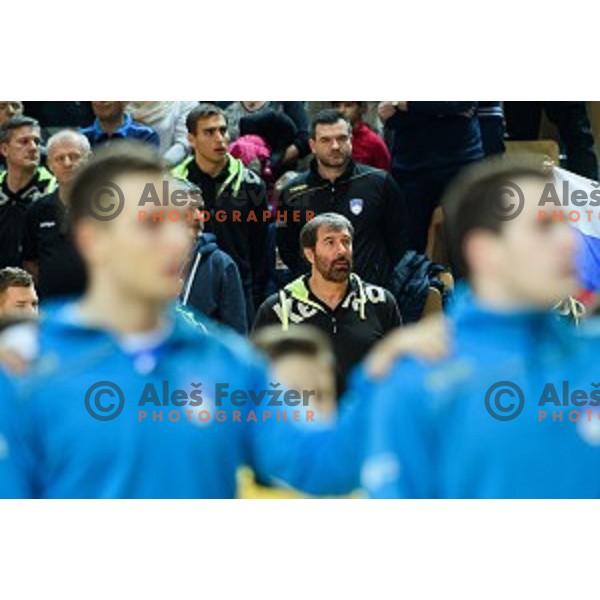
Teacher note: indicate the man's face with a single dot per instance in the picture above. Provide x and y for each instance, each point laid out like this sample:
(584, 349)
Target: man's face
(332, 256)
(332, 144)
(211, 138)
(108, 111)
(18, 300)
(351, 110)
(64, 158)
(141, 258)
(305, 374)
(534, 258)
(8, 110)
(22, 150)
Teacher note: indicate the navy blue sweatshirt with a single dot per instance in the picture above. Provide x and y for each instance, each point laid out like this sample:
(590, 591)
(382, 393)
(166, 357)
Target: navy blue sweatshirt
(214, 286)
(434, 135)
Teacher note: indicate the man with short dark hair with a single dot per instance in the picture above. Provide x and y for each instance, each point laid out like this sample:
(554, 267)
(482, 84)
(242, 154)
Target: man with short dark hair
(114, 123)
(494, 417)
(17, 293)
(368, 197)
(48, 249)
(353, 313)
(235, 198)
(23, 182)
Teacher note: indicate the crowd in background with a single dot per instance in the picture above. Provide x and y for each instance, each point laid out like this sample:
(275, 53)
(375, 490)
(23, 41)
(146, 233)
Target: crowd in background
(270, 168)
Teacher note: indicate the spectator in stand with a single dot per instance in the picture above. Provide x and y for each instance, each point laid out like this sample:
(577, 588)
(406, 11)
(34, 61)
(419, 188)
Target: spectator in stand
(235, 199)
(168, 120)
(7, 111)
(296, 111)
(353, 313)
(49, 253)
(369, 198)
(114, 123)
(571, 119)
(17, 293)
(213, 285)
(432, 142)
(367, 147)
(23, 182)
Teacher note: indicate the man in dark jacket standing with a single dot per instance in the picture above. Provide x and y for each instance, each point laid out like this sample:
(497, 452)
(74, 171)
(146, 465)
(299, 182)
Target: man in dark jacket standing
(235, 199)
(369, 198)
(432, 142)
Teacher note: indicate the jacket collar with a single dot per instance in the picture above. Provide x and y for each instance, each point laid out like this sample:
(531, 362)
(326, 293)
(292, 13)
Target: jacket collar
(506, 327)
(318, 180)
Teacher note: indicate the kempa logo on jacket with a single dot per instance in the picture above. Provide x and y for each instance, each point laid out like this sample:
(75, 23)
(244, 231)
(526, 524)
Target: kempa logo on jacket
(295, 306)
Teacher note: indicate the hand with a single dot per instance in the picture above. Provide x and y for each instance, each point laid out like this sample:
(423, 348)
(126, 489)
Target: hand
(385, 110)
(388, 108)
(291, 155)
(429, 339)
(12, 361)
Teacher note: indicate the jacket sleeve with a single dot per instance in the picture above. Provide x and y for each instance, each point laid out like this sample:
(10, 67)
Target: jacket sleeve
(258, 242)
(391, 317)
(296, 111)
(30, 246)
(288, 239)
(265, 315)
(395, 223)
(399, 441)
(232, 304)
(152, 137)
(314, 456)
(14, 465)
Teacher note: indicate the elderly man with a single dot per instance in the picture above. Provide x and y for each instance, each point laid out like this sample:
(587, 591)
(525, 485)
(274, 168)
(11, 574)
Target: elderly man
(48, 251)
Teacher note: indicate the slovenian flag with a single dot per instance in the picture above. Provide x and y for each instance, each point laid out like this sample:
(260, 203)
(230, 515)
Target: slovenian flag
(583, 208)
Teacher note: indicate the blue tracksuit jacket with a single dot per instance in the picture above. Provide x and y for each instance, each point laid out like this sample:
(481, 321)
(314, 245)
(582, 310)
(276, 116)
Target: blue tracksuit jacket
(429, 433)
(58, 450)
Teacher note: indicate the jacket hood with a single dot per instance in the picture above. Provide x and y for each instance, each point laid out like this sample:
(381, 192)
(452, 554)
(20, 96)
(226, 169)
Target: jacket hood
(206, 244)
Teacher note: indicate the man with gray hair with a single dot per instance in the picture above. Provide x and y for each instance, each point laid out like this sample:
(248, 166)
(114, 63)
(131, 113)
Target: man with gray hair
(353, 313)
(48, 252)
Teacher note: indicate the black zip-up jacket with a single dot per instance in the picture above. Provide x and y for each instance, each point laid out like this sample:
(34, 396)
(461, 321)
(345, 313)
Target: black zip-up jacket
(237, 191)
(368, 197)
(364, 316)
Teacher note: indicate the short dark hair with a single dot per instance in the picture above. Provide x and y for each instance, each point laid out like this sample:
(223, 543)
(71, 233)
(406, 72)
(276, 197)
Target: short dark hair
(305, 340)
(329, 116)
(109, 163)
(15, 123)
(203, 111)
(14, 277)
(474, 198)
(334, 221)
